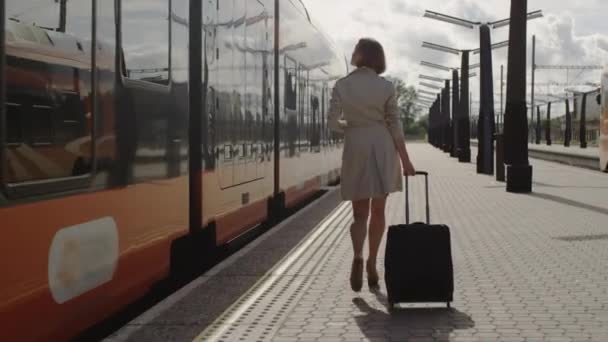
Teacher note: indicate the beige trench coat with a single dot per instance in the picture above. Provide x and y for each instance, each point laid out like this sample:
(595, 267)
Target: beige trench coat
(364, 107)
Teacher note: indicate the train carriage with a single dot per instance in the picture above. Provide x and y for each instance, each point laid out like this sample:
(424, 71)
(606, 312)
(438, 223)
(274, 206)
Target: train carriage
(136, 134)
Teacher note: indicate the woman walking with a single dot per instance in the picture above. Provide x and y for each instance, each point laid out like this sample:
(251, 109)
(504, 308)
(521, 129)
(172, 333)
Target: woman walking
(364, 107)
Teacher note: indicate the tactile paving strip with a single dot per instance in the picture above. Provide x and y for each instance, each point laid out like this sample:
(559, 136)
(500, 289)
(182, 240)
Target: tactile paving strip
(257, 315)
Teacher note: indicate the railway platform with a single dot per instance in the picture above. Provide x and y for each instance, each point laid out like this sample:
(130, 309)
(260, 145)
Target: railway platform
(527, 268)
(574, 155)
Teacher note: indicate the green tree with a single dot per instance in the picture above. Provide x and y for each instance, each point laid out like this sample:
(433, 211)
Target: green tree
(423, 122)
(406, 99)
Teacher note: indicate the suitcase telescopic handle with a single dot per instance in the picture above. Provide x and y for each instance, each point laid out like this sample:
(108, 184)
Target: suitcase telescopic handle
(407, 197)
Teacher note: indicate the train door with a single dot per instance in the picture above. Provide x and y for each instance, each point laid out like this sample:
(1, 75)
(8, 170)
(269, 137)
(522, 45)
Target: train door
(266, 94)
(239, 78)
(315, 118)
(306, 110)
(253, 35)
(263, 129)
(226, 98)
(256, 42)
(302, 101)
(148, 88)
(259, 95)
(179, 115)
(323, 115)
(289, 126)
(210, 90)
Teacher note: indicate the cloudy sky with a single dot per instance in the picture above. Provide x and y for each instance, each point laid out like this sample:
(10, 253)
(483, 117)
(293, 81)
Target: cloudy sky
(572, 32)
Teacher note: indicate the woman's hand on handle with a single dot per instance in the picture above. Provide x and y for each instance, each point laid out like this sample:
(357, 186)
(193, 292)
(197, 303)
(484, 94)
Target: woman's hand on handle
(408, 168)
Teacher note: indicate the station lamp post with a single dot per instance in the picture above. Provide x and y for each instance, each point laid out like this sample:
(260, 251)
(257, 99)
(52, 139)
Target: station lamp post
(583, 115)
(568, 132)
(461, 108)
(485, 125)
(519, 170)
(447, 121)
(445, 109)
(455, 106)
(538, 127)
(548, 125)
(440, 116)
(434, 123)
(568, 123)
(453, 130)
(548, 135)
(437, 119)
(444, 123)
(486, 117)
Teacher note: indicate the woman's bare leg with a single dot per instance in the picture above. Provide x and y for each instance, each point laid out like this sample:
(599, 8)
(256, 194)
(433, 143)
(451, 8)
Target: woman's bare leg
(377, 224)
(358, 230)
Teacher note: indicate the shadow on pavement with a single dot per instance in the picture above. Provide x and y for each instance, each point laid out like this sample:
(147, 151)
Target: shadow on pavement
(570, 202)
(410, 323)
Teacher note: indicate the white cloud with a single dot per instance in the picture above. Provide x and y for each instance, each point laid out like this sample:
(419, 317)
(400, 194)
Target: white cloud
(570, 33)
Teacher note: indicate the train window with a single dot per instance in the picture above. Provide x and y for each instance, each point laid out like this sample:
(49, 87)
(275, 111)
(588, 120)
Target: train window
(41, 124)
(291, 88)
(145, 40)
(179, 40)
(228, 151)
(323, 99)
(210, 139)
(303, 106)
(14, 135)
(48, 92)
(315, 139)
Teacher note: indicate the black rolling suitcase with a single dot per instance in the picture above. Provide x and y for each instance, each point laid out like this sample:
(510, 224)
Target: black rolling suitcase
(418, 261)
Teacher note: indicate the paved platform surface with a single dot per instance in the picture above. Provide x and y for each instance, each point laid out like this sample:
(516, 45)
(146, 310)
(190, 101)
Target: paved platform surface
(527, 268)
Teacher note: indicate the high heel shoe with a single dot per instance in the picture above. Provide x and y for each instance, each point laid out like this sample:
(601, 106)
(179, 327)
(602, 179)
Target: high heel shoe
(373, 280)
(356, 275)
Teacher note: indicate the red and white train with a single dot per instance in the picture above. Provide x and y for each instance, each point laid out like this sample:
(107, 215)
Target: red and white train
(138, 134)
